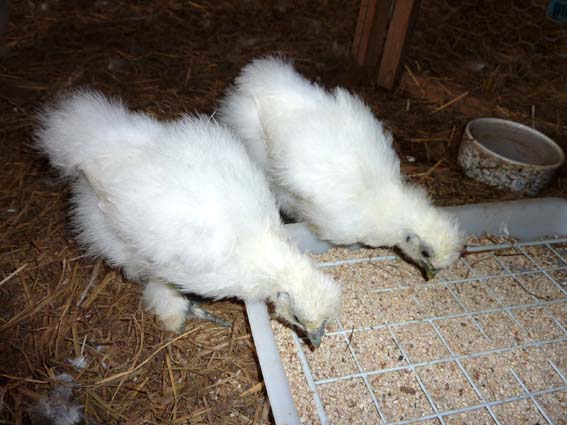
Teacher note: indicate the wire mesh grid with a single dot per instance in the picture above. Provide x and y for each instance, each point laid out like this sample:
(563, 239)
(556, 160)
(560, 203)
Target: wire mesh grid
(499, 352)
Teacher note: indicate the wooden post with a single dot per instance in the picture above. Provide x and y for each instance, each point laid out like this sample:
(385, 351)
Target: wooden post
(399, 31)
(371, 29)
(382, 33)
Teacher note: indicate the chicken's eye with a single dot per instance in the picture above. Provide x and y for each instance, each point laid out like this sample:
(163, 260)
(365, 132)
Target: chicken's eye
(425, 254)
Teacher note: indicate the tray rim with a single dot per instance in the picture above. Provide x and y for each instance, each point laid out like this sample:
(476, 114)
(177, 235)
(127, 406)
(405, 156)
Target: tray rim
(514, 218)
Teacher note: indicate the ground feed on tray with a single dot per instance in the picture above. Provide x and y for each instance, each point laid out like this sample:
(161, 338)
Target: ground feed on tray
(485, 340)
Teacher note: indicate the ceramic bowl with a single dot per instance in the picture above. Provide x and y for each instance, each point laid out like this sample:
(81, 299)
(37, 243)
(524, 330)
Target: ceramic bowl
(508, 155)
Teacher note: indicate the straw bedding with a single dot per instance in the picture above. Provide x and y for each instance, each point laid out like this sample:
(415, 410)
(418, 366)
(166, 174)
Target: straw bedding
(169, 57)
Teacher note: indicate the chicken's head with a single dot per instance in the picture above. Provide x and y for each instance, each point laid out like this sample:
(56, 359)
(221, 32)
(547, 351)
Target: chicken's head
(309, 303)
(434, 242)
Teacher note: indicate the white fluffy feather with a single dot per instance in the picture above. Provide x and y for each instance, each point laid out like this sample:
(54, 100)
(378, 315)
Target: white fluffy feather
(180, 206)
(331, 163)
(58, 407)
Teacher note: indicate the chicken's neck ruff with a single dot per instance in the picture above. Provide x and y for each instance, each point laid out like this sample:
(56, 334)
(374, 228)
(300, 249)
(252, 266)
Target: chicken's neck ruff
(275, 263)
(311, 296)
(404, 210)
(397, 210)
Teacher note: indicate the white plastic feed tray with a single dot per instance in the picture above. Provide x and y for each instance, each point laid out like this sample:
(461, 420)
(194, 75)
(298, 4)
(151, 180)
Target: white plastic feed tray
(492, 347)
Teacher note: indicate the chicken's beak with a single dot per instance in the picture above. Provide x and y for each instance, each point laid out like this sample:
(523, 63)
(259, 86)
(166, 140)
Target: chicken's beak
(315, 337)
(430, 271)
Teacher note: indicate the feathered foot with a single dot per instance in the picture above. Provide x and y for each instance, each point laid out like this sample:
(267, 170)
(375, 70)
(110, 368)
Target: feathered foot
(173, 308)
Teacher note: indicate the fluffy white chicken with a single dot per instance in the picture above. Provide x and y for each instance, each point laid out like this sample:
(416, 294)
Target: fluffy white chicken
(331, 164)
(181, 207)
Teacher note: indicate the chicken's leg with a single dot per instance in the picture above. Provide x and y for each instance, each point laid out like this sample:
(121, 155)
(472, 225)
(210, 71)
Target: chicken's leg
(199, 312)
(173, 308)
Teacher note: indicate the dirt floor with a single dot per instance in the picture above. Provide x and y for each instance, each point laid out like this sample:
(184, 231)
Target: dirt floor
(169, 57)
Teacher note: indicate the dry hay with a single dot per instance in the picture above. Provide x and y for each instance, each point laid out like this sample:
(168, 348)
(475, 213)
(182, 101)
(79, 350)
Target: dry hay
(508, 52)
(507, 58)
(168, 57)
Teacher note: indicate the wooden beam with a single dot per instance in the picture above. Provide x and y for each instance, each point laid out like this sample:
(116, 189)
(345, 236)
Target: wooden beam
(371, 29)
(399, 31)
(362, 32)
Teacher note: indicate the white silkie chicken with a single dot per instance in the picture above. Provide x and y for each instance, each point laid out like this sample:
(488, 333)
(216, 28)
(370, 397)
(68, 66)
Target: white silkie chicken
(331, 164)
(181, 207)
